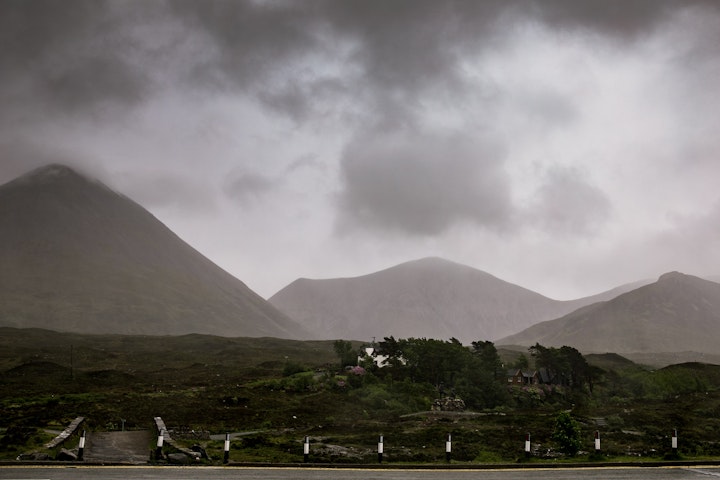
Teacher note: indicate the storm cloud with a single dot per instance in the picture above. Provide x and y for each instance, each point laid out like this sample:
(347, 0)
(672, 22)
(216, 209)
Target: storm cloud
(513, 136)
(421, 183)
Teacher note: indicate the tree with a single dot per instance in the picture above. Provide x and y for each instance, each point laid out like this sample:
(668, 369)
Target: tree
(393, 350)
(521, 363)
(567, 434)
(565, 365)
(433, 361)
(578, 369)
(551, 361)
(488, 356)
(344, 351)
(449, 366)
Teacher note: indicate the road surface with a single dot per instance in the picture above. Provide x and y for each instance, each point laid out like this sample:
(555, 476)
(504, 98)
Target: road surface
(232, 473)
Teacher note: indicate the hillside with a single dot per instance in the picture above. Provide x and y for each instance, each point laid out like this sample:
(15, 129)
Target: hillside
(431, 297)
(77, 257)
(678, 313)
(270, 394)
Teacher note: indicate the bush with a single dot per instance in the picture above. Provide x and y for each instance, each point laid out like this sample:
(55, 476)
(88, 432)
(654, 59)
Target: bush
(291, 368)
(567, 434)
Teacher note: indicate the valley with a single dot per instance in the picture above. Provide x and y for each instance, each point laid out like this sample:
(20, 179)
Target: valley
(106, 314)
(277, 392)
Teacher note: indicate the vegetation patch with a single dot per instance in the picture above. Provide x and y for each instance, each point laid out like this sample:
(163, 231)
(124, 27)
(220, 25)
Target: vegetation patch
(270, 394)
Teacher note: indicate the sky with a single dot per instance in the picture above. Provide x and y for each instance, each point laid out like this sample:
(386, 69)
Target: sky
(565, 146)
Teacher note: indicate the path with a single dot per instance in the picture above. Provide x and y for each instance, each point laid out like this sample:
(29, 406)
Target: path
(126, 447)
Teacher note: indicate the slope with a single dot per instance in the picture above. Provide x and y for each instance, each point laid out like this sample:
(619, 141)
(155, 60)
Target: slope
(678, 313)
(430, 297)
(76, 256)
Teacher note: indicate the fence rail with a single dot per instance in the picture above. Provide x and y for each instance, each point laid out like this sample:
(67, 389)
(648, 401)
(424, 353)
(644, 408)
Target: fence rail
(65, 434)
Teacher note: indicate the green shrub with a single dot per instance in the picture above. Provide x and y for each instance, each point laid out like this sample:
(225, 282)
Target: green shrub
(567, 434)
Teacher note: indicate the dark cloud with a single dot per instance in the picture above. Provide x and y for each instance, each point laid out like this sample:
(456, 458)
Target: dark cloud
(622, 19)
(566, 203)
(254, 39)
(246, 187)
(422, 183)
(68, 56)
(386, 96)
(87, 53)
(302, 100)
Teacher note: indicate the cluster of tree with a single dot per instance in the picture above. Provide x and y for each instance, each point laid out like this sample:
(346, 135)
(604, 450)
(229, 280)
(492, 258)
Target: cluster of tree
(565, 366)
(345, 352)
(474, 373)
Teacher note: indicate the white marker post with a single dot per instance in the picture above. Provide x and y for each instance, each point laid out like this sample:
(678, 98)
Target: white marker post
(527, 445)
(226, 456)
(306, 450)
(81, 446)
(381, 449)
(597, 442)
(448, 448)
(159, 446)
(674, 442)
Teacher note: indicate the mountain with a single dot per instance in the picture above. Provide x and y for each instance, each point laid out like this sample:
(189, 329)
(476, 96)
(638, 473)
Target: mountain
(678, 313)
(430, 297)
(77, 257)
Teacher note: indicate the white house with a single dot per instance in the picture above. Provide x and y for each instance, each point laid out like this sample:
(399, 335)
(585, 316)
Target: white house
(370, 353)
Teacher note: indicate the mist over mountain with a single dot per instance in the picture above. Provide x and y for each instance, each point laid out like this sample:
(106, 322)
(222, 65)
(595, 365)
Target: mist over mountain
(430, 297)
(77, 257)
(677, 313)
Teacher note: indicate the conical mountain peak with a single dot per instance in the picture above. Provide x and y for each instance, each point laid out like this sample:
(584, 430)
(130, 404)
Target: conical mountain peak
(674, 277)
(53, 173)
(77, 256)
(430, 297)
(54, 170)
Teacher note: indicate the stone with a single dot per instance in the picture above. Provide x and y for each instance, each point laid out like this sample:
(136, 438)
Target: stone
(178, 458)
(201, 451)
(66, 455)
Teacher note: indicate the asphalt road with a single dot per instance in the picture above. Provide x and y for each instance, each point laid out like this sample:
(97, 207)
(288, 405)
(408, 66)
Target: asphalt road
(231, 473)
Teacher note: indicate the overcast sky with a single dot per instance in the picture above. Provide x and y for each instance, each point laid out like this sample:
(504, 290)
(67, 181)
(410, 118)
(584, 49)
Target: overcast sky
(566, 146)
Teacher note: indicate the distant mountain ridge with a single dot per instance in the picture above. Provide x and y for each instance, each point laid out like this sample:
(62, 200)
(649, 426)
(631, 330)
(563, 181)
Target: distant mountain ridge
(76, 256)
(430, 297)
(677, 313)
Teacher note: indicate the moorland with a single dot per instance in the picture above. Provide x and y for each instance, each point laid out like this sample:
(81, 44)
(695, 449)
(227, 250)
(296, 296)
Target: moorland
(271, 394)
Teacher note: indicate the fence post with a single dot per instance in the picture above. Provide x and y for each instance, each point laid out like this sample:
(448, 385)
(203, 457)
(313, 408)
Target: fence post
(226, 455)
(159, 446)
(81, 446)
(527, 445)
(448, 448)
(597, 442)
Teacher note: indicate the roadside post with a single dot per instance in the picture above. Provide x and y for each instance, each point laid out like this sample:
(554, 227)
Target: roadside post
(159, 446)
(675, 442)
(226, 455)
(527, 445)
(381, 448)
(81, 446)
(448, 448)
(306, 450)
(597, 442)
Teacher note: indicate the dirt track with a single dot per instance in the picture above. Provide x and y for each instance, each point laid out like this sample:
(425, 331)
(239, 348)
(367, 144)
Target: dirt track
(127, 447)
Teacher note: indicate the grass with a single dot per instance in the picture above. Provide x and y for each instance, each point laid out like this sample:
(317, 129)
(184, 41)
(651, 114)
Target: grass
(276, 392)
